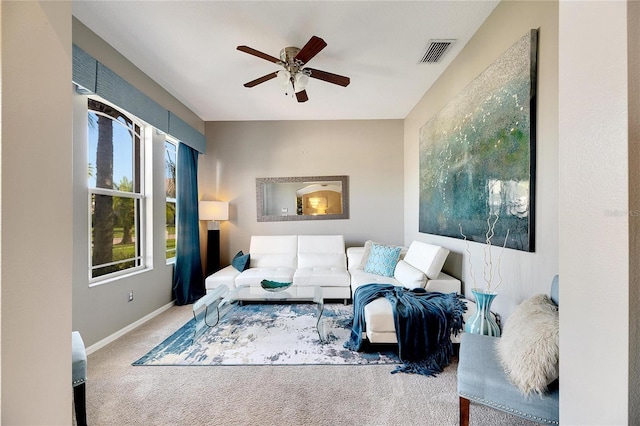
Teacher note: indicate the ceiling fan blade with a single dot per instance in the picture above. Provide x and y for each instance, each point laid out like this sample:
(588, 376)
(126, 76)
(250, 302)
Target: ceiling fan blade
(340, 80)
(262, 79)
(302, 96)
(311, 49)
(254, 52)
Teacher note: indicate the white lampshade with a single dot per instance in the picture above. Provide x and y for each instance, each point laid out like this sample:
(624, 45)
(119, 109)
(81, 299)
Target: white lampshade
(213, 210)
(283, 77)
(301, 81)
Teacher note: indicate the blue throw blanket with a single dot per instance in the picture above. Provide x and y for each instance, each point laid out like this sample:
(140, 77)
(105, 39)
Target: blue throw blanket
(424, 322)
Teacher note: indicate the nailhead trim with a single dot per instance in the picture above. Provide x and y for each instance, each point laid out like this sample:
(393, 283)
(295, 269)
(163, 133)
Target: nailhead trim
(509, 410)
(78, 382)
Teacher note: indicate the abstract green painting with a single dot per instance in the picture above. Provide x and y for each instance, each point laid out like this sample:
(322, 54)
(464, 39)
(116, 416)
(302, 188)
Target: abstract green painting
(477, 155)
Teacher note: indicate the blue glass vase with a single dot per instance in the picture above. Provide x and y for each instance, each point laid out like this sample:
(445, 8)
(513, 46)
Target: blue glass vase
(482, 321)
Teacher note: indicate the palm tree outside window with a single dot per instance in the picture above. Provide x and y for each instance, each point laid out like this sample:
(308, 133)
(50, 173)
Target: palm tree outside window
(116, 195)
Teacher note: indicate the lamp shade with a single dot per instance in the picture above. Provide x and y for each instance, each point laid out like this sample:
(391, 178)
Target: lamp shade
(213, 210)
(301, 81)
(284, 77)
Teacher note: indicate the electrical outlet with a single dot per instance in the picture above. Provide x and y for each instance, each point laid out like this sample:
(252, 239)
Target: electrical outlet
(131, 296)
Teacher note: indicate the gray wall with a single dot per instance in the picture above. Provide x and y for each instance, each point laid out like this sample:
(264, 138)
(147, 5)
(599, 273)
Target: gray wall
(103, 310)
(524, 274)
(583, 184)
(369, 152)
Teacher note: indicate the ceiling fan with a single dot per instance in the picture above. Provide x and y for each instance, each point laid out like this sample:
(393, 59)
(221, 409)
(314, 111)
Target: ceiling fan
(294, 77)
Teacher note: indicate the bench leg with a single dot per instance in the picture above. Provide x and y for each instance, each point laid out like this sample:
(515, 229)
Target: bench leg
(464, 411)
(79, 402)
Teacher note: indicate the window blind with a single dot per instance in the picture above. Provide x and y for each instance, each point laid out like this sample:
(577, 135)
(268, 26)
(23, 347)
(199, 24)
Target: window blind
(95, 77)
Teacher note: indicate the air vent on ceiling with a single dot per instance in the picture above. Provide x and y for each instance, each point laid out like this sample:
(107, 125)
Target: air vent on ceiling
(435, 51)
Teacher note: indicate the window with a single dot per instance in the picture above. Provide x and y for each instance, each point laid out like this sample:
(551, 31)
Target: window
(170, 156)
(116, 196)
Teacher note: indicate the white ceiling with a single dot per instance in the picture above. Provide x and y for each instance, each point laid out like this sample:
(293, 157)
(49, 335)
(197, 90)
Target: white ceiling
(189, 48)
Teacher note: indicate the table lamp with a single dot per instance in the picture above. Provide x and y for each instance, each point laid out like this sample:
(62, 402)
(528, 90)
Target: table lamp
(213, 212)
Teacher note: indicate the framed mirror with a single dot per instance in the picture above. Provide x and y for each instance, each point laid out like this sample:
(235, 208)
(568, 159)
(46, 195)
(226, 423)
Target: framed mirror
(302, 198)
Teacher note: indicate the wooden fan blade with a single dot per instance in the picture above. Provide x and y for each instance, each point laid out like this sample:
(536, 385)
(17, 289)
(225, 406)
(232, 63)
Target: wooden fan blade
(254, 52)
(302, 96)
(311, 49)
(340, 80)
(262, 79)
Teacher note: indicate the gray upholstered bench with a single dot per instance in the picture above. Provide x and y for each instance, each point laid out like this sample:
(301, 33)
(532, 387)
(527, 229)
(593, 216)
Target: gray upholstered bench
(482, 379)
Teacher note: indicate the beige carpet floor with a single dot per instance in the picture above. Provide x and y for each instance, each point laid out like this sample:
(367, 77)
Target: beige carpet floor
(121, 394)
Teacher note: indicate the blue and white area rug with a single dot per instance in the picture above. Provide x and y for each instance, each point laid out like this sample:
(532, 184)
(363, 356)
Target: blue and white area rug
(267, 334)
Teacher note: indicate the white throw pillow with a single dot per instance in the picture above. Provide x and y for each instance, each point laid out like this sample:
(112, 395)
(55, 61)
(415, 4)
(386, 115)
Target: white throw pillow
(409, 276)
(528, 348)
(365, 254)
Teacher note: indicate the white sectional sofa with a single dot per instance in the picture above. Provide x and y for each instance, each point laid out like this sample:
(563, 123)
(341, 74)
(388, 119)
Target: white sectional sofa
(424, 268)
(308, 260)
(420, 265)
(305, 260)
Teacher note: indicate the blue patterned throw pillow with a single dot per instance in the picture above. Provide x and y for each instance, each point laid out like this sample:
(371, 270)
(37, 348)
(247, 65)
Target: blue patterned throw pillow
(382, 260)
(241, 261)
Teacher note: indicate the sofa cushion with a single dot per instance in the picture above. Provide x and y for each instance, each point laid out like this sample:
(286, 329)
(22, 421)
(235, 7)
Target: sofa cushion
(382, 260)
(409, 276)
(225, 276)
(240, 261)
(354, 258)
(325, 260)
(528, 348)
(253, 276)
(321, 276)
(316, 244)
(378, 316)
(360, 277)
(427, 257)
(273, 251)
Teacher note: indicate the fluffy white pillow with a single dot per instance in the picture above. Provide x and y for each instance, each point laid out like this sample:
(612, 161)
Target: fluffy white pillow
(528, 348)
(409, 276)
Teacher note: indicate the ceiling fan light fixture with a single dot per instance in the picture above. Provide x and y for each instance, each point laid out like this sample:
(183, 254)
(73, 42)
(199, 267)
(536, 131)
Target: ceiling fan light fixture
(289, 89)
(294, 78)
(284, 77)
(301, 81)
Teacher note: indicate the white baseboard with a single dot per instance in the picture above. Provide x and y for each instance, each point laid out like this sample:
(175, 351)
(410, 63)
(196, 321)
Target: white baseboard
(104, 342)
